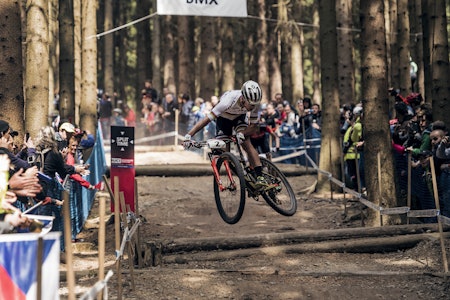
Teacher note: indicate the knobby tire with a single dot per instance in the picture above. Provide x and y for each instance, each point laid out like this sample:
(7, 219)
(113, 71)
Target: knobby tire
(282, 201)
(230, 202)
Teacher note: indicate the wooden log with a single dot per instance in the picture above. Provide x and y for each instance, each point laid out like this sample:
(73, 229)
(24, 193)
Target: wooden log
(260, 240)
(205, 170)
(362, 245)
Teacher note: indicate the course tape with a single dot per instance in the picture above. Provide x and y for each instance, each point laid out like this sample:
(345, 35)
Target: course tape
(363, 200)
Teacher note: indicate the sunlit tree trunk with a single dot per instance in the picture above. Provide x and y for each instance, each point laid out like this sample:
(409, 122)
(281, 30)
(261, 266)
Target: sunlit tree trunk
(330, 147)
(345, 51)
(261, 50)
(37, 61)
(108, 51)
(88, 108)
(53, 41)
(285, 33)
(156, 50)
(66, 61)
(316, 96)
(297, 55)
(77, 57)
(376, 118)
(11, 80)
(274, 45)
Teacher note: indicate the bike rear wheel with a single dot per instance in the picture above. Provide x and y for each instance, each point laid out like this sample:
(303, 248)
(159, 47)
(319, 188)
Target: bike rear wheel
(230, 201)
(281, 197)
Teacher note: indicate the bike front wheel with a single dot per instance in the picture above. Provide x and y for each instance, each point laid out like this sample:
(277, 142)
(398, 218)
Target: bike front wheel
(230, 193)
(280, 195)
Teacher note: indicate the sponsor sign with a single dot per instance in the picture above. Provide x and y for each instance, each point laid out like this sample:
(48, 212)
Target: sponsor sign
(213, 8)
(122, 162)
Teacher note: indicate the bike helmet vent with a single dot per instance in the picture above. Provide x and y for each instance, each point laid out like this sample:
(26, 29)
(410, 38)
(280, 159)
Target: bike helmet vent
(251, 91)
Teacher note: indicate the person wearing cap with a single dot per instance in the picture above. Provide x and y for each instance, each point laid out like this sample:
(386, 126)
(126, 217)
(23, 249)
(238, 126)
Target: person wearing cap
(65, 132)
(7, 146)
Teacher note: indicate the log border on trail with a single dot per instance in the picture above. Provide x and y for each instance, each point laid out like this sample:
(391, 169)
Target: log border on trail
(304, 236)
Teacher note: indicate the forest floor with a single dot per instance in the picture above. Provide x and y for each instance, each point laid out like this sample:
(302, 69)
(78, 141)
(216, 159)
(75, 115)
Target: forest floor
(181, 211)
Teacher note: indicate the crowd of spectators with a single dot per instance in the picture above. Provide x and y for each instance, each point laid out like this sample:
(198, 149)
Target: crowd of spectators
(35, 170)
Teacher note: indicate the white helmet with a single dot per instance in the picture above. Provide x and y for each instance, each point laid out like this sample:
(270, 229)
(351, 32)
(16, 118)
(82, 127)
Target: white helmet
(251, 91)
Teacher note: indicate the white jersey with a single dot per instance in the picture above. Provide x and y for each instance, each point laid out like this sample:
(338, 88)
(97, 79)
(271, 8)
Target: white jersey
(230, 108)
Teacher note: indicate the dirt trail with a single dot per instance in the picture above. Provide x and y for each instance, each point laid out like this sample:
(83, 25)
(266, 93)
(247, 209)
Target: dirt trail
(183, 207)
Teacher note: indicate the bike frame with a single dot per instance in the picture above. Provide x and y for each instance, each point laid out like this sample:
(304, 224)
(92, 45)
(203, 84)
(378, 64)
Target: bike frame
(217, 177)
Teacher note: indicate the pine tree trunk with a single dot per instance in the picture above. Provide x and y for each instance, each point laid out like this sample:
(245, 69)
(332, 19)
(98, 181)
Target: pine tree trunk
(53, 41)
(185, 56)
(403, 47)
(345, 51)
(316, 97)
(169, 53)
(393, 37)
(285, 31)
(427, 45)
(376, 121)
(207, 58)
(440, 93)
(108, 51)
(88, 107)
(228, 63)
(239, 46)
(11, 80)
(66, 61)
(37, 62)
(416, 41)
(262, 55)
(297, 55)
(330, 148)
(77, 57)
(156, 50)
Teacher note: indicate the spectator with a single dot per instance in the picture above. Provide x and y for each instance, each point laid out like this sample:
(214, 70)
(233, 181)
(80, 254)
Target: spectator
(316, 117)
(441, 151)
(186, 107)
(117, 119)
(51, 161)
(353, 142)
(105, 113)
(65, 132)
(129, 116)
(170, 108)
(151, 92)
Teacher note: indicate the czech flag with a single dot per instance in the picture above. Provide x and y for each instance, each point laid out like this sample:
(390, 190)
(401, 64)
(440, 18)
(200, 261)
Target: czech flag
(18, 266)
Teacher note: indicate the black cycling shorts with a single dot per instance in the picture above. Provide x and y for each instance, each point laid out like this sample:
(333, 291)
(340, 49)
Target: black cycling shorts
(224, 127)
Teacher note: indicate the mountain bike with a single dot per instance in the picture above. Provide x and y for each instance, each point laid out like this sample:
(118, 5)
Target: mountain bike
(233, 177)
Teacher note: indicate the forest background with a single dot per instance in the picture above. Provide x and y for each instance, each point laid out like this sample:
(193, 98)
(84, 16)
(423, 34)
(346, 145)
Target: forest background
(335, 51)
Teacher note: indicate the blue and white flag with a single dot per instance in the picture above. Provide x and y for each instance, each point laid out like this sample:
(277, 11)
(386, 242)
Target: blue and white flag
(18, 266)
(212, 8)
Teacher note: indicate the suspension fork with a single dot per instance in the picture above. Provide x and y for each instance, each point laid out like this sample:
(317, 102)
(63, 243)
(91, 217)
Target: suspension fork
(217, 175)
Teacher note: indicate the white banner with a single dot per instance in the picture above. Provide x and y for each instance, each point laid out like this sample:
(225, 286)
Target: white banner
(212, 8)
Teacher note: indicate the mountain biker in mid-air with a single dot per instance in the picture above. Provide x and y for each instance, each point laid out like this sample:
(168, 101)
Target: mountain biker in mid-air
(232, 113)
